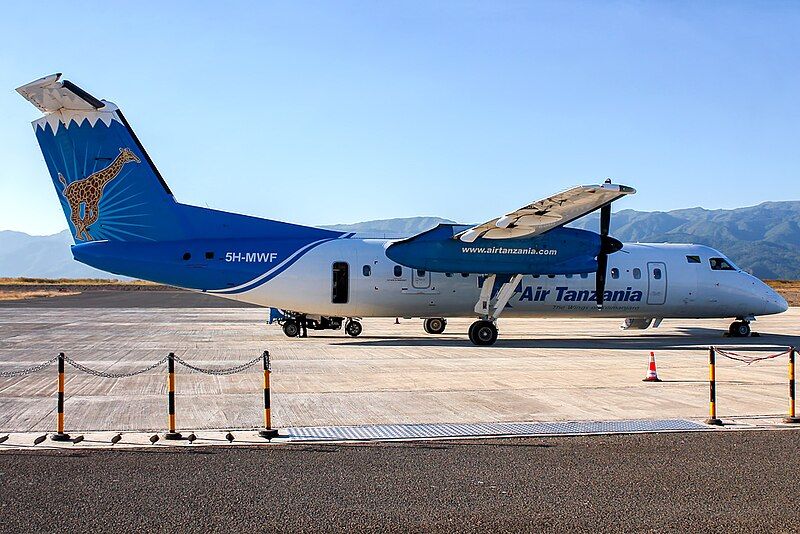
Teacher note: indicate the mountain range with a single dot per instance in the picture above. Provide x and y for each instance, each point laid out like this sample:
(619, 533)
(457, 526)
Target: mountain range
(762, 239)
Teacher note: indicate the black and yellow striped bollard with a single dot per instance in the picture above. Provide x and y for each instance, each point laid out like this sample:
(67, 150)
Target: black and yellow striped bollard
(792, 417)
(60, 435)
(171, 434)
(712, 383)
(268, 431)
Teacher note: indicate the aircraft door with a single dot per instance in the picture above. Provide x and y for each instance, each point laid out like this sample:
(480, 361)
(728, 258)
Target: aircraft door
(656, 283)
(340, 283)
(420, 279)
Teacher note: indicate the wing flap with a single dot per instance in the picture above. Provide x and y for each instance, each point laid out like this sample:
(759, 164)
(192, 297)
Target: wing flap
(546, 214)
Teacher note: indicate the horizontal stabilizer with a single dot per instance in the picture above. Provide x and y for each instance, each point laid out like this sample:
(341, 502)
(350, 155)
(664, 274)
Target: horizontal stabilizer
(49, 94)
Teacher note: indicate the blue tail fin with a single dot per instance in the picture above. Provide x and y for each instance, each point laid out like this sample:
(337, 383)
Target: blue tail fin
(108, 186)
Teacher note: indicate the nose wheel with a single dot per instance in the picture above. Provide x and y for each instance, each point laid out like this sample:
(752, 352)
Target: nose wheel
(483, 333)
(739, 329)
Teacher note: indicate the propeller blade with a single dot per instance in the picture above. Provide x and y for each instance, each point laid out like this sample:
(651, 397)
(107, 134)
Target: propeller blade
(605, 219)
(600, 278)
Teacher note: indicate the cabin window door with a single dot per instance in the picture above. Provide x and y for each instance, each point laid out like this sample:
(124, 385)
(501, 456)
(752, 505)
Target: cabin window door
(340, 284)
(656, 283)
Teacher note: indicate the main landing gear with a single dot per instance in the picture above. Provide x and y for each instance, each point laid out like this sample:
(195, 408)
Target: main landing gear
(495, 294)
(739, 328)
(483, 333)
(435, 325)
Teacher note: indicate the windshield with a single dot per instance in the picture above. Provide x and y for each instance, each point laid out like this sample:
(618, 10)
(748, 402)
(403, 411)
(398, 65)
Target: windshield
(721, 264)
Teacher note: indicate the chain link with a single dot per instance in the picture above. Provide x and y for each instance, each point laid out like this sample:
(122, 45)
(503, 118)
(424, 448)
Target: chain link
(747, 359)
(219, 372)
(106, 374)
(29, 370)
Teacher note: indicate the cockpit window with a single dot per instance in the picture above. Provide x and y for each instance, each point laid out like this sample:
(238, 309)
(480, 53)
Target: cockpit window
(721, 264)
(693, 259)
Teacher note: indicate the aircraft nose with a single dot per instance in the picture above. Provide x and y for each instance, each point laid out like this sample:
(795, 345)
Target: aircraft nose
(774, 302)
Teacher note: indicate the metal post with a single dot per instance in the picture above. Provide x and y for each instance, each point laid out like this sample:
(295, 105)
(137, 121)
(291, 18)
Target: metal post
(712, 383)
(60, 435)
(792, 417)
(268, 431)
(171, 434)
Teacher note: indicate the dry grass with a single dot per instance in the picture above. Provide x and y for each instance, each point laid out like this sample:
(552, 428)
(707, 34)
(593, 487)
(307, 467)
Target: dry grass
(790, 289)
(69, 282)
(33, 294)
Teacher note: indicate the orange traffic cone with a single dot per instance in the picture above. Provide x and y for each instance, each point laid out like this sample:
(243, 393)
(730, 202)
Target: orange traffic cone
(652, 375)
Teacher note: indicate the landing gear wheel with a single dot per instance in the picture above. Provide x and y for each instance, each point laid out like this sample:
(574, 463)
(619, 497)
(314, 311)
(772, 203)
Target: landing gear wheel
(483, 333)
(291, 328)
(353, 328)
(435, 325)
(739, 329)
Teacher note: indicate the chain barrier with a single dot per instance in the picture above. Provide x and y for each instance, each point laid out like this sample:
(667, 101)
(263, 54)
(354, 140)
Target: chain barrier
(219, 372)
(28, 370)
(106, 374)
(744, 358)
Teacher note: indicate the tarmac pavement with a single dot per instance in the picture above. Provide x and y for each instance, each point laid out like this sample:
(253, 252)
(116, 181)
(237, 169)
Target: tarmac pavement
(698, 482)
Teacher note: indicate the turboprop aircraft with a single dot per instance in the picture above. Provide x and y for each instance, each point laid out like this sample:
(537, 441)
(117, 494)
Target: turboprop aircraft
(525, 263)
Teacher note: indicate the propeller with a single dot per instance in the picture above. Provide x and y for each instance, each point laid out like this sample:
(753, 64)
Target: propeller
(608, 245)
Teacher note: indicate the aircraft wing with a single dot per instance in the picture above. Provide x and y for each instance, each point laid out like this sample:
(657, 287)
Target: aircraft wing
(544, 215)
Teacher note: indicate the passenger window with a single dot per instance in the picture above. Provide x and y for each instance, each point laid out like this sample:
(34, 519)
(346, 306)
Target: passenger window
(187, 256)
(465, 275)
(614, 273)
(449, 275)
(657, 273)
(398, 271)
(209, 255)
(551, 276)
(340, 283)
(536, 275)
(420, 272)
(720, 264)
(693, 259)
(584, 275)
(637, 273)
(366, 270)
(569, 276)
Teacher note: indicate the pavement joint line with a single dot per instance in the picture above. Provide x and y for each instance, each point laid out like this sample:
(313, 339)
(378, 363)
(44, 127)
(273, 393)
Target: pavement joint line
(137, 440)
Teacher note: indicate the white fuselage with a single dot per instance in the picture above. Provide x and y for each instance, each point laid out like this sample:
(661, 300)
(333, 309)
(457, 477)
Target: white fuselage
(644, 281)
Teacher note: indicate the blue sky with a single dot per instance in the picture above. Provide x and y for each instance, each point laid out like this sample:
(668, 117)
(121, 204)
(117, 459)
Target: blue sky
(345, 111)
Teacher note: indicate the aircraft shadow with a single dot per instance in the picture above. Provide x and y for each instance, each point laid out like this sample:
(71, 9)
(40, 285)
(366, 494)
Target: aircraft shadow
(688, 337)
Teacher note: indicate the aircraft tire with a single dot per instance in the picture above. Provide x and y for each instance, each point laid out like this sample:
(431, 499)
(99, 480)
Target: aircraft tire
(291, 328)
(739, 329)
(435, 325)
(353, 328)
(483, 333)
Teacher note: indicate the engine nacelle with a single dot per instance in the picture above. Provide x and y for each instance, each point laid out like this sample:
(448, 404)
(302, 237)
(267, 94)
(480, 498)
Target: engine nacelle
(559, 251)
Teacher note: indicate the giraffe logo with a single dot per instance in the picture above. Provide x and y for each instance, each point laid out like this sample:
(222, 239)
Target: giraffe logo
(87, 192)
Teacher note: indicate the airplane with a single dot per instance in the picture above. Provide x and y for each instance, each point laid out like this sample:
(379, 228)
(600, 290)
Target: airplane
(525, 263)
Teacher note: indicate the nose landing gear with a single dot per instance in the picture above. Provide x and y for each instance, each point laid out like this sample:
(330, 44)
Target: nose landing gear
(739, 329)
